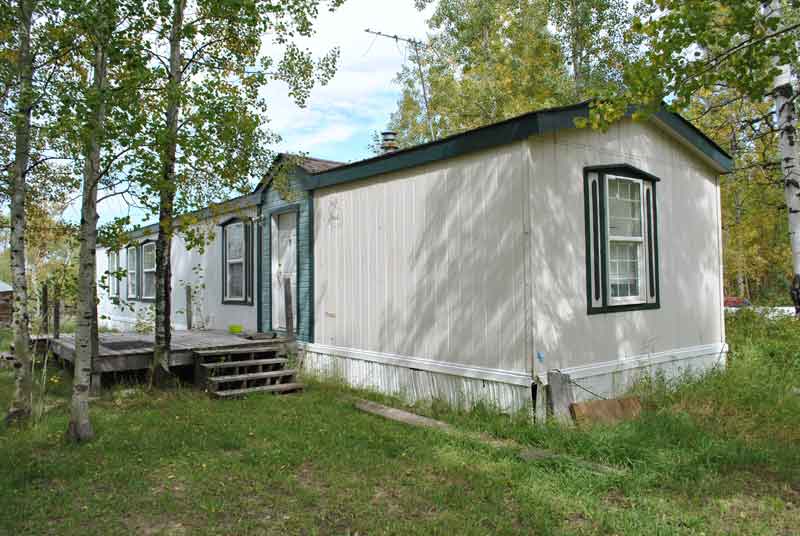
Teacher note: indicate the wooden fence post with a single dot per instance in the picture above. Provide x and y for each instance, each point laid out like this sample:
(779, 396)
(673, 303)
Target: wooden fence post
(287, 306)
(188, 307)
(45, 311)
(561, 395)
(57, 315)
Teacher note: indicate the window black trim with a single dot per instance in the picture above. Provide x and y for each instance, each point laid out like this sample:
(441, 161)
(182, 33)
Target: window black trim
(596, 272)
(248, 262)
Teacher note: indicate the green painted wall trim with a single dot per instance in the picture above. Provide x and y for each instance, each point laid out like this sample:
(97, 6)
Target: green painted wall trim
(272, 205)
(259, 270)
(498, 134)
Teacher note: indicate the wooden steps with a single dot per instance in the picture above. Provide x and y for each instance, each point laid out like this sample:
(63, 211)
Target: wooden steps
(275, 388)
(252, 376)
(246, 363)
(234, 372)
(262, 348)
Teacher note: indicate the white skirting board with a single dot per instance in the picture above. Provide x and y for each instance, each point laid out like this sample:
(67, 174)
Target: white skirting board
(613, 378)
(413, 384)
(416, 379)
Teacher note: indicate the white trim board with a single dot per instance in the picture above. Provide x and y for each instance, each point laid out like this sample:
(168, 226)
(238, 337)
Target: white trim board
(522, 378)
(496, 375)
(647, 360)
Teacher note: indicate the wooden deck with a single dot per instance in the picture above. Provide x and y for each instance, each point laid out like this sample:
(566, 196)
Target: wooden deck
(133, 351)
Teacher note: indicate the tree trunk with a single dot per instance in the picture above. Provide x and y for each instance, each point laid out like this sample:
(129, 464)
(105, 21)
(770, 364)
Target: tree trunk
(167, 187)
(787, 125)
(787, 128)
(80, 428)
(20, 408)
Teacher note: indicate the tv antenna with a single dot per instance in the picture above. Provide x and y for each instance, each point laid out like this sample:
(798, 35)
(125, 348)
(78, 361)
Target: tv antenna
(415, 44)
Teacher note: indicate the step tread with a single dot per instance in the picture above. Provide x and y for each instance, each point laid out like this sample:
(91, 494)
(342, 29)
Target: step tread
(280, 387)
(253, 376)
(248, 363)
(245, 350)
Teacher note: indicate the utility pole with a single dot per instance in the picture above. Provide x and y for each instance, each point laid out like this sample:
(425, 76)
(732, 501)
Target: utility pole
(415, 45)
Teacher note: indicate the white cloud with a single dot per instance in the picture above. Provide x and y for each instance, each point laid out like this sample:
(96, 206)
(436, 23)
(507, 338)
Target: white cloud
(339, 119)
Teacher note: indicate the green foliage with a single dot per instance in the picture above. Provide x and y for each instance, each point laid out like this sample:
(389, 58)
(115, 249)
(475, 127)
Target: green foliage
(223, 143)
(757, 256)
(488, 61)
(592, 34)
(484, 62)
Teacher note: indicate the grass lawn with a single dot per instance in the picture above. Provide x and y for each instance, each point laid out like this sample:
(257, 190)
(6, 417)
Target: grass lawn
(717, 456)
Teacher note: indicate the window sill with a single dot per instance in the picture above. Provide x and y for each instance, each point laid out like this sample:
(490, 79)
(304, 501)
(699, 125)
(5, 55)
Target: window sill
(622, 308)
(237, 302)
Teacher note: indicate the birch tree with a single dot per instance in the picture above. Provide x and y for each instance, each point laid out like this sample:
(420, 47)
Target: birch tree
(786, 122)
(101, 100)
(30, 59)
(742, 47)
(23, 385)
(211, 139)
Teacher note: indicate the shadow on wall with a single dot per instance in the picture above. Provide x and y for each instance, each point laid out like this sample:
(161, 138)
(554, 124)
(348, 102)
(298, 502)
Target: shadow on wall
(432, 264)
(688, 254)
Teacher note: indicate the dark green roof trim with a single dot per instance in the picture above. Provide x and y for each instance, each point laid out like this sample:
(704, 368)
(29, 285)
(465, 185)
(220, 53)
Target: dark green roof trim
(692, 135)
(503, 133)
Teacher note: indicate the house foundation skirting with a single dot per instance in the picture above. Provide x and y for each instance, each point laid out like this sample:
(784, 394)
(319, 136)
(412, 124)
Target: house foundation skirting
(414, 379)
(613, 378)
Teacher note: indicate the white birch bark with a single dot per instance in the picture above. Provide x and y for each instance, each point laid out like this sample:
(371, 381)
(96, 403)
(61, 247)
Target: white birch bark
(786, 120)
(80, 427)
(20, 408)
(163, 319)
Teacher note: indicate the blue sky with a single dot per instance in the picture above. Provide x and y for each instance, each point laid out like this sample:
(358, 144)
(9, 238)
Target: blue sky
(338, 120)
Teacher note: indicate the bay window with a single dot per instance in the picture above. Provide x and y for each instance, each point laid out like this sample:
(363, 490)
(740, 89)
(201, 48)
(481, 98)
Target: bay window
(621, 239)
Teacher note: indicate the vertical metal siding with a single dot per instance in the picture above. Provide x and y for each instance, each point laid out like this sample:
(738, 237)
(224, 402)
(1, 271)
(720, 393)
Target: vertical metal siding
(689, 258)
(426, 263)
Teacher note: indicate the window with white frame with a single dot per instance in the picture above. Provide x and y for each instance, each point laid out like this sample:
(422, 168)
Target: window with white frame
(621, 239)
(113, 268)
(625, 239)
(237, 262)
(149, 271)
(133, 271)
(235, 256)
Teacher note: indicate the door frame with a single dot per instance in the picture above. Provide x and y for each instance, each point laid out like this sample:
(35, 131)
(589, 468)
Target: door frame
(272, 215)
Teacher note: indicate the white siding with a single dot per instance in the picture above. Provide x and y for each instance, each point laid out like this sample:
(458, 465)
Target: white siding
(427, 263)
(187, 267)
(689, 249)
(479, 261)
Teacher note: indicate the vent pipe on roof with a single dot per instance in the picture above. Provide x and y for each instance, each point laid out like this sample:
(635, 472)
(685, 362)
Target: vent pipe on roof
(388, 141)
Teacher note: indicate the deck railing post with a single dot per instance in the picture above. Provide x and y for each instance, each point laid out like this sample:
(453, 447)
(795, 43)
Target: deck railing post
(188, 307)
(56, 315)
(287, 306)
(45, 311)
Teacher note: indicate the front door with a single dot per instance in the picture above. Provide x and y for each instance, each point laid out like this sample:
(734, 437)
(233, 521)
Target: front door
(284, 267)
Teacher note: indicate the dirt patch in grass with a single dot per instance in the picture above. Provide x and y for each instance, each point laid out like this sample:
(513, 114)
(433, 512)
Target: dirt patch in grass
(151, 526)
